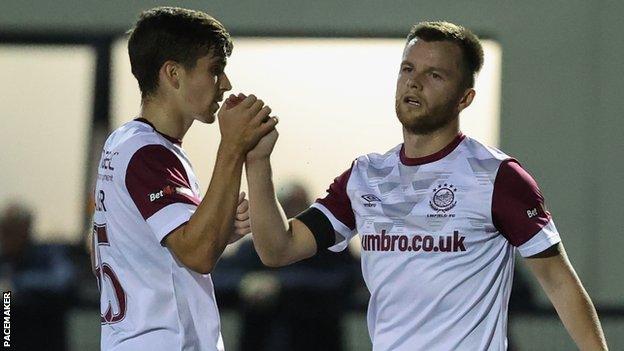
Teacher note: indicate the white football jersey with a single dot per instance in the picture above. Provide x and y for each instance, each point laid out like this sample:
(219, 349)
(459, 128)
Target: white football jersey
(438, 237)
(146, 188)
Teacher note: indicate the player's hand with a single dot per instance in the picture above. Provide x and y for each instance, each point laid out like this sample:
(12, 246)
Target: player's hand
(242, 224)
(264, 148)
(243, 121)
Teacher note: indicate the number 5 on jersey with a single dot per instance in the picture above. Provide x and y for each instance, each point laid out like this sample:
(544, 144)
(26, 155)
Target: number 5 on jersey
(108, 282)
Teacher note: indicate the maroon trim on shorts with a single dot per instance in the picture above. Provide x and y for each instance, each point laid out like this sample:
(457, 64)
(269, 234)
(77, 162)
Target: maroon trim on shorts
(337, 201)
(433, 157)
(518, 209)
(171, 139)
(156, 178)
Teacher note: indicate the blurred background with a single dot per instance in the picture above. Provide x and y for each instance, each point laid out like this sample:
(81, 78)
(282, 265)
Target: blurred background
(550, 94)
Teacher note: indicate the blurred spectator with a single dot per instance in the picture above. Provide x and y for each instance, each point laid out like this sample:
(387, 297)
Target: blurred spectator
(40, 280)
(299, 307)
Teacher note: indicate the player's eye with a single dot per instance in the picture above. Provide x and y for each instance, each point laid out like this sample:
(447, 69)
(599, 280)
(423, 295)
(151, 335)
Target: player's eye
(435, 75)
(406, 68)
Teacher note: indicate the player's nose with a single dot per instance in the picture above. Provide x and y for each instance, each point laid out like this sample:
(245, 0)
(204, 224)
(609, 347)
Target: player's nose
(226, 85)
(413, 83)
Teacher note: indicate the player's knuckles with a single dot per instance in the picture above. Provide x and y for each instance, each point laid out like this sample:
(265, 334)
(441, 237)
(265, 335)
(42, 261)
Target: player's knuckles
(268, 125)
(266, 129)
(243, 228)
(256, 108)
(239, 224)
(242, 232)
(250, 100)
(270, 122)
(266, 110)
(262, 116)
(243, 207)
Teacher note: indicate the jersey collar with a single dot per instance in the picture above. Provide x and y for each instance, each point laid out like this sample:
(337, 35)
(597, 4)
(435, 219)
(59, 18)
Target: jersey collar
(433, 157)
(171, 139)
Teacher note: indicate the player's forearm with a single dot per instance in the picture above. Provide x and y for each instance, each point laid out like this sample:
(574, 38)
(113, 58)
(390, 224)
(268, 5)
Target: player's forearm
(577, 312)
(269, 224)
(210, 227)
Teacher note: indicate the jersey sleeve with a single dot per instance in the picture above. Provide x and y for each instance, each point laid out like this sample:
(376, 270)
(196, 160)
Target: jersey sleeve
(518, 210)
(331, 218)
(160, 188)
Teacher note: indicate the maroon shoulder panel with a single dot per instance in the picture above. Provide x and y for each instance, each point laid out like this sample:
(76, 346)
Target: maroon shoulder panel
(156, 178)
(337, 201)
(518, 210)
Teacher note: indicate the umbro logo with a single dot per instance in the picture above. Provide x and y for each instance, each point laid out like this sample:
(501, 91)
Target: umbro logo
(370, 198)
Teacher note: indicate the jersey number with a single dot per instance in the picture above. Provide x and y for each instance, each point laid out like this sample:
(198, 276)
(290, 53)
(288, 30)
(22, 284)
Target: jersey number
(103, 271)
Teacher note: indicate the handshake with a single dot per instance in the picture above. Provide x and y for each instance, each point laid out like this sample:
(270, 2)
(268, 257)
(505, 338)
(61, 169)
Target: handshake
(247, 127)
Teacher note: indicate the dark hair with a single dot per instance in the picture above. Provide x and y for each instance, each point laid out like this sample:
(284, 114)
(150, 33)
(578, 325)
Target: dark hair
(467, 41)
(172, 33)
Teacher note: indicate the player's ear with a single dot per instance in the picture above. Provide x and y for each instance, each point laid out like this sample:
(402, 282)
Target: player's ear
(466, 100)
(170, 73)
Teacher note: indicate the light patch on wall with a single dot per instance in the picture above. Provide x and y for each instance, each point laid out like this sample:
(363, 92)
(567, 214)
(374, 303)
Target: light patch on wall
(46, 100)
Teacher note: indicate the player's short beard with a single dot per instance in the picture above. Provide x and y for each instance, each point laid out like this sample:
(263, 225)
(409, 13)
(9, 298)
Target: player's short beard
(427, 124)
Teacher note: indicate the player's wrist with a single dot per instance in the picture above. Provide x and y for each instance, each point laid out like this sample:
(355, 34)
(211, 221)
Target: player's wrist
(252, 157)
(231, 150)
(234, 147)
(252, 160)
(258, 168)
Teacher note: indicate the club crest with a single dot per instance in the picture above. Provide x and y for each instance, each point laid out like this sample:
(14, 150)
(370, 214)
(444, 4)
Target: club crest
(443, 199)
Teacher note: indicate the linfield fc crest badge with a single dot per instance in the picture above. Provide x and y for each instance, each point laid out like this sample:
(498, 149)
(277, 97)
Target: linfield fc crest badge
(443, 199)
